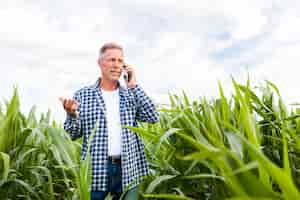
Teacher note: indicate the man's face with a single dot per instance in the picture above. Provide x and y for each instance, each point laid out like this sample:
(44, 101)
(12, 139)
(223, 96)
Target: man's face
(111, 64)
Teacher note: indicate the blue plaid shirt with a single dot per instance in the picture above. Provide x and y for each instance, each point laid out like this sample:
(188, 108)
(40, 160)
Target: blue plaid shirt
(135, 106)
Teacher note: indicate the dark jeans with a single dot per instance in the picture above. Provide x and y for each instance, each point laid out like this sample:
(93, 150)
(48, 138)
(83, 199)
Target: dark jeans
(114, 183)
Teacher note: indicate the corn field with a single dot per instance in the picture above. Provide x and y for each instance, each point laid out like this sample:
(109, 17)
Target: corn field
(245, 146)
(38, 160)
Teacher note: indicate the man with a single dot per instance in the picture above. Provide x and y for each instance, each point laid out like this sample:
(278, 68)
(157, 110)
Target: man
(117, 154)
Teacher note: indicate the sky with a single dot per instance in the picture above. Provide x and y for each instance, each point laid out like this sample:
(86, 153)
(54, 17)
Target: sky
(49, 48)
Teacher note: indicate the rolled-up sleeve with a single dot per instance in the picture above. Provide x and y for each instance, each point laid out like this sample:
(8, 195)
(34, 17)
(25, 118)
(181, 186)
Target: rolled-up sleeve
(146, 110)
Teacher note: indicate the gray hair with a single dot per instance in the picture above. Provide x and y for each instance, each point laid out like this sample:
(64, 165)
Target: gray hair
(110, 45)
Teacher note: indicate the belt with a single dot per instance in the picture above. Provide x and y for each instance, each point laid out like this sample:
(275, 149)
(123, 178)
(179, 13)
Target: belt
(115, 159)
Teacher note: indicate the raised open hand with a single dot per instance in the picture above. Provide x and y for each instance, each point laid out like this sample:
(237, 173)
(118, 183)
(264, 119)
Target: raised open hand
(70, 106)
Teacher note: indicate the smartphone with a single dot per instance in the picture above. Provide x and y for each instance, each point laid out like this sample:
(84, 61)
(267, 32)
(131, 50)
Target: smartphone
(126, 76)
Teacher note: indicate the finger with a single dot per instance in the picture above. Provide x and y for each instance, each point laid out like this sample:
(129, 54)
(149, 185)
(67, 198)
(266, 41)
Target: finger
(64, 103)
(68, 103)
(61, 99)
(73, 104)
(130, 69)
(74, 107)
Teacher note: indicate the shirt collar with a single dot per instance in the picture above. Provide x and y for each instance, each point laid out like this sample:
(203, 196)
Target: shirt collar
(122, 90)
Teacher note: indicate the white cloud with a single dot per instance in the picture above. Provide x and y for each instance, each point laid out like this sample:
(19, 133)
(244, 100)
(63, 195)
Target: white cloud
(50, 48)
(283, 70)
(289, 27)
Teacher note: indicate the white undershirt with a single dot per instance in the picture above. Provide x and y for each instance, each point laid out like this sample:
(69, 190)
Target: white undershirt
(111, 99)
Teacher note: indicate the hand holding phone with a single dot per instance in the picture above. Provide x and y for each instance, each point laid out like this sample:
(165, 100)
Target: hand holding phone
(126, 75)
(129, 76)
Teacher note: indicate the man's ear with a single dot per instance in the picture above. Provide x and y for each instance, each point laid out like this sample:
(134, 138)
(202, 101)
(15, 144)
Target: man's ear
(99, 62)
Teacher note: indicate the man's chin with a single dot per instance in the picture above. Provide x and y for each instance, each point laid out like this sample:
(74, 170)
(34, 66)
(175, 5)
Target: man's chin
(114, 78)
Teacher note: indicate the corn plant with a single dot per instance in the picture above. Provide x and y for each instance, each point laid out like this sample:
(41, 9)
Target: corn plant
(242, 147)
(38, 160)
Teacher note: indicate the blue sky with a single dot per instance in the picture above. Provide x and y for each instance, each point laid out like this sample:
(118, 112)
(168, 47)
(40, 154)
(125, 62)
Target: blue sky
(49, 48)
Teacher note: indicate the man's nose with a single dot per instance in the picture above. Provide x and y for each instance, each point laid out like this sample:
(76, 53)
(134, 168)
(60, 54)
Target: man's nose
(117, 65)
(116, 68)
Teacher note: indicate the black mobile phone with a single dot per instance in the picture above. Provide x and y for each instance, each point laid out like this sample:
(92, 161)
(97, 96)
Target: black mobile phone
(126, 75)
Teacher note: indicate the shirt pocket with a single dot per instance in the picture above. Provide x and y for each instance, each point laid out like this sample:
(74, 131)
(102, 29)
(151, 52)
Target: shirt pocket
(127, 113)
(89, 115)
